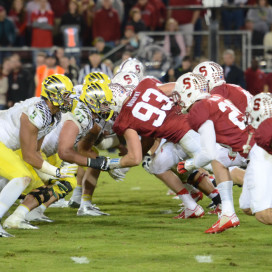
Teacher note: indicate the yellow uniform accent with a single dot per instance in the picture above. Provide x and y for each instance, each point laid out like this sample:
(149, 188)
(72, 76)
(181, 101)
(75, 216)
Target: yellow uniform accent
(11, 165)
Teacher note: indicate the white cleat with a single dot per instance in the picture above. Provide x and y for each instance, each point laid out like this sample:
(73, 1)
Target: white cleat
(61, 203)
(38, 216)
(4, 234)
(90, 210)
(16, 222)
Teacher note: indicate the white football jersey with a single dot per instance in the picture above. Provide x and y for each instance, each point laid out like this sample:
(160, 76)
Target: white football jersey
(38, 114)
(81, 115)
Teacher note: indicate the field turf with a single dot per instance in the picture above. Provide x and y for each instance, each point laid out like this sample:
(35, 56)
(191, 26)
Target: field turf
(140, 235)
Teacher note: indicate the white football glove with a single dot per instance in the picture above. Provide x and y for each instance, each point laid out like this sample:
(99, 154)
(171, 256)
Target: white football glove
(146, 162)
(118, 174)
(67, 171)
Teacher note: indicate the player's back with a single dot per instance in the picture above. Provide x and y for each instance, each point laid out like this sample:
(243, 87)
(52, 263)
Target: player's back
(228, 121)
(263, 135)
(150, 112)
(236, 94)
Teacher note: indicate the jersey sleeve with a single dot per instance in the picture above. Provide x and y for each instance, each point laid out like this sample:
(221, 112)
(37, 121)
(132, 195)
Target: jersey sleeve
(199, 114)
(38, 115)
(120, 125)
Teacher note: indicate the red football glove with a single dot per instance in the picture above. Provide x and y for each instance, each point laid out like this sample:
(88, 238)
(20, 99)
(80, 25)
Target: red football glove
(180, 168)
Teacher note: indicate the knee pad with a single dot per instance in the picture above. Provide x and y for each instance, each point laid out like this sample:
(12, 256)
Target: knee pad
(191, 179)
(41, 191)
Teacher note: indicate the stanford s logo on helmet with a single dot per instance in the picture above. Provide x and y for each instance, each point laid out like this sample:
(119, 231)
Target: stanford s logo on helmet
(133, 65)
(212, 71)
(128, 80)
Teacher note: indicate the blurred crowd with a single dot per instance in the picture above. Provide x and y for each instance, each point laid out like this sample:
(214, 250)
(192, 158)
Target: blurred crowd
(106, 24)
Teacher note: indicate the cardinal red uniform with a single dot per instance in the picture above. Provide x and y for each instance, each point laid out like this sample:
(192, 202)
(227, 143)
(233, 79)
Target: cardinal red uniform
(228, 122)
(263, 135)
(236, 94)
(149, 112)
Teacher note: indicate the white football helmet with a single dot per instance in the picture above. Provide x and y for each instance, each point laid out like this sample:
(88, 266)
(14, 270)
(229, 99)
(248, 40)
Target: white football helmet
(259, 109)
(212, 71)
(133, 65)
(189, 88)
(128, 80)
(119, 96)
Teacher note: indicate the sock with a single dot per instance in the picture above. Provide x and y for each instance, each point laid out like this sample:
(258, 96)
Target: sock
(77, 193)
(42, 208)
(191, 189)
(187, 199)
(10, 194)
(215, 197)
(85, 200)
(225, 191)
(21, 211)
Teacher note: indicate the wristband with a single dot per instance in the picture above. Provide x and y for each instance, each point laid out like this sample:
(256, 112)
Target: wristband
(49, 169)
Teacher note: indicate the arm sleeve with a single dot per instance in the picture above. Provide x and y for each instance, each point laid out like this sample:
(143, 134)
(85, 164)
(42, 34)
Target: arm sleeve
(208, 144)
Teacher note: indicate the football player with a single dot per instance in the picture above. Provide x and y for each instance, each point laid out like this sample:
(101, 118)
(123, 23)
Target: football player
(24, 126)
(256, 195)
(217, 120)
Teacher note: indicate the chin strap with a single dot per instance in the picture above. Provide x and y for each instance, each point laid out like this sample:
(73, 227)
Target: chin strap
(247, 146)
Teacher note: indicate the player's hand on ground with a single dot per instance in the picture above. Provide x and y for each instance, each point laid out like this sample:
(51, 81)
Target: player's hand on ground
(118, 174)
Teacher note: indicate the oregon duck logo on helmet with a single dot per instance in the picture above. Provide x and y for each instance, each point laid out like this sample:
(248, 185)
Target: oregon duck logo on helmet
(57, 89)
(98, 96)
(96, 77)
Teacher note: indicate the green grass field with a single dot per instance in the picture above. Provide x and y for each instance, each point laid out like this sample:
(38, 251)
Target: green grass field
(138, 236)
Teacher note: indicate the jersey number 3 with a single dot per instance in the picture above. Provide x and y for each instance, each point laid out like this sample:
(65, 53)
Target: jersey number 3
(150, 109)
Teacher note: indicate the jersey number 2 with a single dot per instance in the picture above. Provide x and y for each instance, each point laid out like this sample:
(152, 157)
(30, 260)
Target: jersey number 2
(150, 110)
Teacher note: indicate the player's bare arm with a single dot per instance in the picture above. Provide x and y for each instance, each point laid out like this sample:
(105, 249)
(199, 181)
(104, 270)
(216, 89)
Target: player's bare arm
(29, 143)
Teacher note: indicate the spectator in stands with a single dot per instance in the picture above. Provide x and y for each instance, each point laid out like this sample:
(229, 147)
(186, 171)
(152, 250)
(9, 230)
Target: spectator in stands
(148, 12)
(130, 39)
(110, 32)
(126, 55)
(20, 82)
(32, 6)
(19, 17)
(46, 70)
(94, 65)
(40, 59)
(136, 20)
(233, 74)
(100, 45)
(118, 5)
(69, 70)
(3, 89)
(73, 17)
(267, 42)
(160, 11)
(232, 19)
(186, 19)
(174, 44)
(59, 7)
(109, 64)
(42, 25)
(88, 16)
(261, 17)
(255, 78)
(173, 74)
(7, 29)
(59, 53)
(7, 67)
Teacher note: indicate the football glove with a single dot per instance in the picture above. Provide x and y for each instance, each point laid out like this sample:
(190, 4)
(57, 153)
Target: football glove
(118, 174)
(146, 162)
(185, 166)
(67, 171)
(103, 163)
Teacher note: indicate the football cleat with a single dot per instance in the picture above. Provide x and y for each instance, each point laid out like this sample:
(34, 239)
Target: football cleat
(216, 210)
(16, 222)
(61, 203)
(38, 216)
(90, 210)
(73, 204)
(224, 222)
(4, 234)
(187, 213)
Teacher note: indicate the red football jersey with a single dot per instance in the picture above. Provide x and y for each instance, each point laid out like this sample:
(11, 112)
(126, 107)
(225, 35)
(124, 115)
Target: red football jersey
(228, 121)
(149, 112)
(236, 94)
(263, 135)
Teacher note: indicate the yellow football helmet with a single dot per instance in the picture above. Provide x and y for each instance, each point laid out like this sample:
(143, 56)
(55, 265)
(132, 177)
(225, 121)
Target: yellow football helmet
(97, 77)
(57, 89)
(98, 97)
